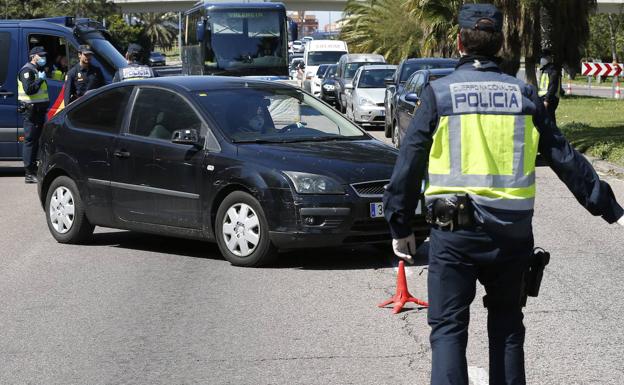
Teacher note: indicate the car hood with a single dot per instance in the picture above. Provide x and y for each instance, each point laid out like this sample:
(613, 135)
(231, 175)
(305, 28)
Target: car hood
(376, 95)
(346, 161)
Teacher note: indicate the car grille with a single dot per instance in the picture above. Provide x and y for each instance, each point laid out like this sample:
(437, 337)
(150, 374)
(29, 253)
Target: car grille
(379, 119)
(371, 225)
(371, 189)
(380, 104)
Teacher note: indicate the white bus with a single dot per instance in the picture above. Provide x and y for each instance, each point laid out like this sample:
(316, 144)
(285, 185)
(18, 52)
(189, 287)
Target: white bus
(321, 52)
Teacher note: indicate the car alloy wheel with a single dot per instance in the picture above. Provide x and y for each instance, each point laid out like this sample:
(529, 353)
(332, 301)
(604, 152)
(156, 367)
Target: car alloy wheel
(62, 210)
(241, 230)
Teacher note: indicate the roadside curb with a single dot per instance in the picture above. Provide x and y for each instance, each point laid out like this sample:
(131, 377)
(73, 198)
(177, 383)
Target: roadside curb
(606, 167)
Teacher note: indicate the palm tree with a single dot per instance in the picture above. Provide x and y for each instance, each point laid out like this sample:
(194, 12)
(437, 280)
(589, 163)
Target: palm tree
(439, 18)
(382, 26)
(159, 28)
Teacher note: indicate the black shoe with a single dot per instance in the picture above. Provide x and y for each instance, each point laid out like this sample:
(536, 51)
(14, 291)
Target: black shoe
(30, 178)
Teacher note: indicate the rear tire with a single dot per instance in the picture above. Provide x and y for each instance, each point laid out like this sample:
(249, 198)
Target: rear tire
(65, 212)
(242, 231)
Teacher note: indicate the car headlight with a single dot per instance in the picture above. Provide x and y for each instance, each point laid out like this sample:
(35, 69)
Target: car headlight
(329, 87)
(314, 184)
(366, 102)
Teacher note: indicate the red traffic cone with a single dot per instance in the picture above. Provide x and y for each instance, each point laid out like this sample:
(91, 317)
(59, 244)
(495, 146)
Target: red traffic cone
(402, 295)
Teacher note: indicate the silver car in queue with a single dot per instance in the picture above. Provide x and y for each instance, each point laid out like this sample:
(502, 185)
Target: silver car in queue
(365, 102)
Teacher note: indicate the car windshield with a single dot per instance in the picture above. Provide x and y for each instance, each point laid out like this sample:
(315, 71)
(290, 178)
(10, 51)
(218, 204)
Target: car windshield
(330, 72)
(266, 114)
(374, 78)
(324, 57)
(321, 70)
(351, 69)
(410, 68)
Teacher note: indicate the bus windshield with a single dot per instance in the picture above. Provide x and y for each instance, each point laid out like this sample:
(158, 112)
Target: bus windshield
(239, 39)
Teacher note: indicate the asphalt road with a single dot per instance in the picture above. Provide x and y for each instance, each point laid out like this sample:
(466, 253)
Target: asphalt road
(130, 308)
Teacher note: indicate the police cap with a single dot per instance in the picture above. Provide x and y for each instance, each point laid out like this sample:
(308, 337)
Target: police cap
(38, 50)
(85, 49)
(485, 17)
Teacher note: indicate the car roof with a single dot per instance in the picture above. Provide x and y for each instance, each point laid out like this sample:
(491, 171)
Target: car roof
(201, 83)
(354, 57)
(378, 67)
(430, 60)
(438, 71)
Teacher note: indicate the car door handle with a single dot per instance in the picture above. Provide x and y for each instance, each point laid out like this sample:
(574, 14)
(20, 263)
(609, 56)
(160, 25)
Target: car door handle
(121, 154)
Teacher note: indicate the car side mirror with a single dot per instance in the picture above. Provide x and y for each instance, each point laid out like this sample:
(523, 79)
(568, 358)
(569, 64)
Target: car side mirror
(388, 81)
(188, 136)
(348, 86)
(412, 97)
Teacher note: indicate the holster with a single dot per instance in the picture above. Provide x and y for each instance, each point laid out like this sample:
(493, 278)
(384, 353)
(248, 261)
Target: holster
(534, 273)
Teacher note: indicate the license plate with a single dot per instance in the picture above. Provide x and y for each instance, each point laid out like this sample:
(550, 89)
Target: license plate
(376, 210)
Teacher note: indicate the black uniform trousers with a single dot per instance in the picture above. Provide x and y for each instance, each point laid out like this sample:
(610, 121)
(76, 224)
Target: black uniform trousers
(34, 118)
(456, 261)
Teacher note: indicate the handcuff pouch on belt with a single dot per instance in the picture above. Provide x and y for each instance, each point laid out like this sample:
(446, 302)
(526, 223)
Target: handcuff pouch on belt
(450, 213)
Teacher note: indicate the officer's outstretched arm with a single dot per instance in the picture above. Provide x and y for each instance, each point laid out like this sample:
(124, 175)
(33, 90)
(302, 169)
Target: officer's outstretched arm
(575, 170)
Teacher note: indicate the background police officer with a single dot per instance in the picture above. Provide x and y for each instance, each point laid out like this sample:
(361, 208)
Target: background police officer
(134, 70)
(83, 76)
(479, 130)
(34, 100)
(549, 84)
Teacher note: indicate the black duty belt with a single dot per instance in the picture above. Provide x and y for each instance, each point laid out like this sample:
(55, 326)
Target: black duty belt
(451, 213)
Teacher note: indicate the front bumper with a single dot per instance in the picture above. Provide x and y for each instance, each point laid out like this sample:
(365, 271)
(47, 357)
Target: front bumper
(369, 115)
(338, 221)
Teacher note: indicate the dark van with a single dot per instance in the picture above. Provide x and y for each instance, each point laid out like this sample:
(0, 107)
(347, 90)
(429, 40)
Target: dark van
(60, 36)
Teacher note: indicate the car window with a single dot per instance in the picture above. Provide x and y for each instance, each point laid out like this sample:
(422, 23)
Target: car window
(58, 59)
(272, 114)
(5, 46)
(157, 113)
(419, 84)
(104, 112)
(411, 83)
(374, 78)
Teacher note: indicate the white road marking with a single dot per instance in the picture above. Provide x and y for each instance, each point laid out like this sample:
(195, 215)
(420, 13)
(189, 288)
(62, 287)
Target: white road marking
(478, 376)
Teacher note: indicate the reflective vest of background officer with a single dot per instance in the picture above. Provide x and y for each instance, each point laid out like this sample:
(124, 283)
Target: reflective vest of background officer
(32, 89)
(134, 70)
(549, 84)
(479, 130)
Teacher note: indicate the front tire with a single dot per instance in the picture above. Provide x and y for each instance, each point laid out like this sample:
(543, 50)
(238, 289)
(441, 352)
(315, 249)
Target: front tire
(65, 212)
(242, 231)
(396, 135)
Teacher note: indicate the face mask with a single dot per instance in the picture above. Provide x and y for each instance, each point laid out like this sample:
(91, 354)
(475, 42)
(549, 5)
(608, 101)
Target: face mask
(41, 61)
(256, 123)
(543, 61)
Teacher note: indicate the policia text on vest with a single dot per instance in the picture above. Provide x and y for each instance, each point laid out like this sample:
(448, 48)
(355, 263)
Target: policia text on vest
(477, 132)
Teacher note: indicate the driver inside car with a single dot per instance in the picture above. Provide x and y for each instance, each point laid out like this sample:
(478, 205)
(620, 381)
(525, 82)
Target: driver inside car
(254, 117)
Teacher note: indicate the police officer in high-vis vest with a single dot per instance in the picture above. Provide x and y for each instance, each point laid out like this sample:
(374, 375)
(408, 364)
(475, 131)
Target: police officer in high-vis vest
(477, 132)
(134, 70)
(549, 83)
(33, 99)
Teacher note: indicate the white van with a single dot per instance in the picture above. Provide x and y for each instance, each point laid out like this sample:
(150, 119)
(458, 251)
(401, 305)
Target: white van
(321, 52)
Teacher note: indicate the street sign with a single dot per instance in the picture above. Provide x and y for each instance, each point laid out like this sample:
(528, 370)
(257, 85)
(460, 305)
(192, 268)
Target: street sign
(601, 69)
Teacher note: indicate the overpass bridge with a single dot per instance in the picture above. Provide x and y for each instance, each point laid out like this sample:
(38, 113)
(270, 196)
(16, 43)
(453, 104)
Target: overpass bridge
(141, 6)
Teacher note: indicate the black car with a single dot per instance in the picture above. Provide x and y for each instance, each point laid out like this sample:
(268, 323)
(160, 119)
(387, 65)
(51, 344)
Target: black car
(328, 85)
(156, 59)
(407, 100)
(255, 166)
(394, 85)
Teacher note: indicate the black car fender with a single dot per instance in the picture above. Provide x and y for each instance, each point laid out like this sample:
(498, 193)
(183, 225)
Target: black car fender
(58, 164)
(270, 187)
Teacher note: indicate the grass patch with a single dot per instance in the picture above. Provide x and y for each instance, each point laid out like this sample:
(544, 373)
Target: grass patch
(594, 126)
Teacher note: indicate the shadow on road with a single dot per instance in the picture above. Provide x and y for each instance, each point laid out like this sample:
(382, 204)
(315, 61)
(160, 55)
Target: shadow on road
(344, 258)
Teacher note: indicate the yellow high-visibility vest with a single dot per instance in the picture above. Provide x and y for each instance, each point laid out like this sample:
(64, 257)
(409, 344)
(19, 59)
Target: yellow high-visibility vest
(38, 97)
(487, 156)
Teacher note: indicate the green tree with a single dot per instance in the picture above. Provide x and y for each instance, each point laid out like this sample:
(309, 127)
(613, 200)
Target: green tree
(385, 27)
(159, 28)
(605, 37)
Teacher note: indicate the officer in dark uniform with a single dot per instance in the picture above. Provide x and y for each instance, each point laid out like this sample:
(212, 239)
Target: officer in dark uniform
(549, 84)
(83, 76)
(477, 133)
(33, 102)
(134, 70)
